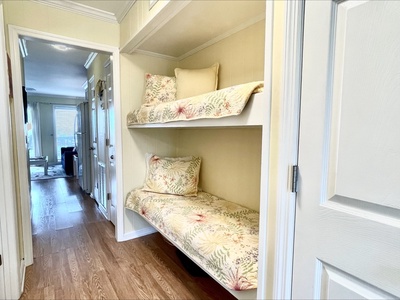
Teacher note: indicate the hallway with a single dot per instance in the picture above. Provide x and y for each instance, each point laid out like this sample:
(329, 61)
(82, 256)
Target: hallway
(77, 257)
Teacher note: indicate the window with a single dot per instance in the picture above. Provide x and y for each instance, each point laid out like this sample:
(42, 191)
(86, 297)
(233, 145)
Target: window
(64, 123)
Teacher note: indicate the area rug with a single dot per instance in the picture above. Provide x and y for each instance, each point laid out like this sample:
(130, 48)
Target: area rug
(54, 171)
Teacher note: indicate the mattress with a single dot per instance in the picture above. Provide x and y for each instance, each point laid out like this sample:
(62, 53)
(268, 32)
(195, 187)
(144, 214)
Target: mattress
(218, 104)
(220, 236)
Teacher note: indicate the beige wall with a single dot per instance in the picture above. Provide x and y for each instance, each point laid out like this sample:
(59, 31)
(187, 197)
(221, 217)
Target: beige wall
(29, 14)
(241, 57)
(231, 161)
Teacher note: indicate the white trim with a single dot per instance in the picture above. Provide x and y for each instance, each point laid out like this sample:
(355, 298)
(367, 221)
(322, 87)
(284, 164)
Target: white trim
(8, 197)
(90, 59)
(137, 233)
(289, 107)
(265, 153)
(14, 33)
(89, 11)
(22, 273)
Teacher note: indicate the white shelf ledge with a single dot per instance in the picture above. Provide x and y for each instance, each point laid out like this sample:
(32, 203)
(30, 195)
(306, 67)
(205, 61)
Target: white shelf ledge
(254, 114)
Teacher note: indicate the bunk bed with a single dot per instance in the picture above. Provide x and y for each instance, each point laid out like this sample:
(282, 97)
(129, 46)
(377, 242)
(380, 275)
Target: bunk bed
(186, 221)
(220, 236)
(213, 105)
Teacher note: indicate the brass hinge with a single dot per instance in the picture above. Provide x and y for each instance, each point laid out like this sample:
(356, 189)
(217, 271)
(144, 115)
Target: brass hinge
(295, 178)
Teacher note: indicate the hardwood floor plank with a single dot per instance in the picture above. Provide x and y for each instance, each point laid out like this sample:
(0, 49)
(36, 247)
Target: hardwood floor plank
(76, 255)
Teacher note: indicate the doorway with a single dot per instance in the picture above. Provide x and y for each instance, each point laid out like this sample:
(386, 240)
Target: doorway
(15, 34)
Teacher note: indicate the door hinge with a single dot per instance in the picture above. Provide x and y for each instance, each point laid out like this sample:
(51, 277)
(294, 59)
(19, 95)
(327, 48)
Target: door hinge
(295, 177)
(107, 142)
(1, 262)
(108, 196)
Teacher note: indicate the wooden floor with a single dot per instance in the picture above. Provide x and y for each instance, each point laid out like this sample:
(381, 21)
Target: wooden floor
(77, 257)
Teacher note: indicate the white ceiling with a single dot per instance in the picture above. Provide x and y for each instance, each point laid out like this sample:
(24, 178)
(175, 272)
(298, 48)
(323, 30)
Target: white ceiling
(49, 71)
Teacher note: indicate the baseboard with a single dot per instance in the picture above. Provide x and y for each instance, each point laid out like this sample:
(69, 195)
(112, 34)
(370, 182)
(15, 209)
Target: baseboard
(137, 233)
(22, 272)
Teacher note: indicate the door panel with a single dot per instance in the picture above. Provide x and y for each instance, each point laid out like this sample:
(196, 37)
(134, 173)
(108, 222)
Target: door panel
(111, 148)
(347, 241)
(93, 139)
(102, 148)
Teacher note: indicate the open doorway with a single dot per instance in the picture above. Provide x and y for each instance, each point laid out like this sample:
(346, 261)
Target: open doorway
(20, 126)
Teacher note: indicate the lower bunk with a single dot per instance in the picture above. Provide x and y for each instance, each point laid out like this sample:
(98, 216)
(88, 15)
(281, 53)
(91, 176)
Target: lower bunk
(220, 236)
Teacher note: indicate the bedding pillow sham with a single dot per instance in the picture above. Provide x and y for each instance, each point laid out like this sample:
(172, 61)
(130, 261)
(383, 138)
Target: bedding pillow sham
(193, 82)
(159, 89)
(172, 175)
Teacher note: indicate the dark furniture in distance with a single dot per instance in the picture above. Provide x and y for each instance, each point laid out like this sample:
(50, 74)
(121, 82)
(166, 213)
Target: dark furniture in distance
(67, 159)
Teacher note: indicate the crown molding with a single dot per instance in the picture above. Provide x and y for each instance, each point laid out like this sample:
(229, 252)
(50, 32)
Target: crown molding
(89, 11)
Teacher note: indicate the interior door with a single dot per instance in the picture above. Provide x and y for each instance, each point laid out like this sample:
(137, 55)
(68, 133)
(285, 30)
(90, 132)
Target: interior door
(111, 178)
(102, 148)
(2, 282)
(347, 238)
(93, 138)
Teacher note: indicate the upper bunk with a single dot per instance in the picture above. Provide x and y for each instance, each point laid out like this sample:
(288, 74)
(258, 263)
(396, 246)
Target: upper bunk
(178, 30)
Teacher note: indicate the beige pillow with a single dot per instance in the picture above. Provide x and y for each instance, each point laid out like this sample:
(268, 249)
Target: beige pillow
(193, 82)
(172, 175)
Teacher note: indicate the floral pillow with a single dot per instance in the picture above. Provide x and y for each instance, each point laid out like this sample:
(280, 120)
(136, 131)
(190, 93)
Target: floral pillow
(159, 89)
(168, 175)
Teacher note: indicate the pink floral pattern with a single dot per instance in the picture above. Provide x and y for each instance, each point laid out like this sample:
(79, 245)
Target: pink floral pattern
(159, 89)
(221, 103)
(172, 175)
(219, 235)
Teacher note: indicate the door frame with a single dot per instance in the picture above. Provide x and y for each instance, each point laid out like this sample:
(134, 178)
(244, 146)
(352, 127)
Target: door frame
(14, 33)
(287, 42)
(11, 287)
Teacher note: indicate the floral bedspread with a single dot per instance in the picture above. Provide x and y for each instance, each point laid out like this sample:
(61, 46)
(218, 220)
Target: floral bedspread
(221, 103)
(219, 235)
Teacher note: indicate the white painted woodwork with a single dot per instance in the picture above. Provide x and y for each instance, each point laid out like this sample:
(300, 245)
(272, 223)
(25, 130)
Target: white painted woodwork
(93, 138)
(347, 241)
(252, 115)
(185, 27)
(112, 167)
(10, 281)
(102, 151)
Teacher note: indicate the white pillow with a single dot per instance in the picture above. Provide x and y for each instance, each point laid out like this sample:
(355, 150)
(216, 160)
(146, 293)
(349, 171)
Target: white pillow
(193, 82)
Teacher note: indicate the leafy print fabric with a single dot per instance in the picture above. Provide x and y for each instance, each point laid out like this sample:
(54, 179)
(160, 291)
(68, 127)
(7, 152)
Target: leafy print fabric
(219, 235)
(179, 176)
(159, 89)
(221, 103)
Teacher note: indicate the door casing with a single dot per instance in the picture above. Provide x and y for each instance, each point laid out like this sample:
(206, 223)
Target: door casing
(14, 33)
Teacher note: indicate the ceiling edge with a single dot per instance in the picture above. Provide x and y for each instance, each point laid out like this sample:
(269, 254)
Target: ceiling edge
(82, 9)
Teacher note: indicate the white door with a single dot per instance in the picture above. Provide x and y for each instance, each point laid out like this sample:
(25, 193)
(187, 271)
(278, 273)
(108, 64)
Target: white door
(102, 148)
(347, 238)
(111, 178)
(93, 138)
(2, 282)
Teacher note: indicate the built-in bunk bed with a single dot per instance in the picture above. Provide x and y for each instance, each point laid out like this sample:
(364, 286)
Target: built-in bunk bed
(220, 235)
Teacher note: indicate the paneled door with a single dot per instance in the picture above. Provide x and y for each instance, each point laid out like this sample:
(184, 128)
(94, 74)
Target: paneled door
(102, 148)
(112, 185)
(93, 138)
(347, 237)
(2, 281)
